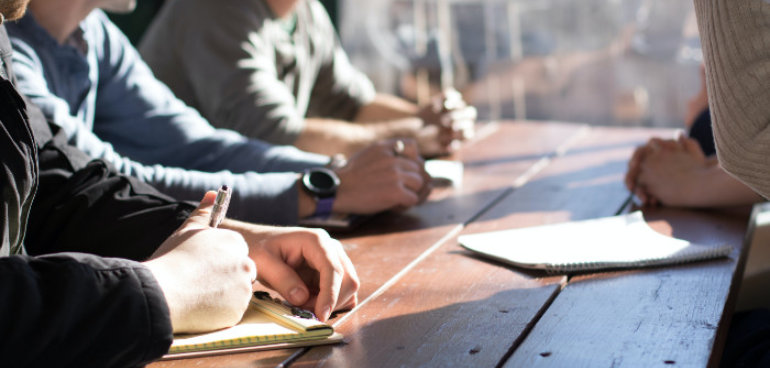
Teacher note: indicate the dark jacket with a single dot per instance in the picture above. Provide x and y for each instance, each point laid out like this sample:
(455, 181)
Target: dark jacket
(62, 303)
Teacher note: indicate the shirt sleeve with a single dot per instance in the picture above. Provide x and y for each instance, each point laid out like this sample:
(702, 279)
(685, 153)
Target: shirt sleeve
(18, 168)
(736, 45)
(78, 310)
(144, 120)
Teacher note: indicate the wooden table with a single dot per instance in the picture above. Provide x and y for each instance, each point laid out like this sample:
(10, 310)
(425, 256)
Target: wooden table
(426, 302)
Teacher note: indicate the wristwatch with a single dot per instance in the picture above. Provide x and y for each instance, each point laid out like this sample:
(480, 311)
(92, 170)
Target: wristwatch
(322, 184)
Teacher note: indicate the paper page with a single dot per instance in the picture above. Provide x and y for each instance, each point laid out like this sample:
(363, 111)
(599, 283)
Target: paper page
(617, 241)
(255, 328)
(445, 172)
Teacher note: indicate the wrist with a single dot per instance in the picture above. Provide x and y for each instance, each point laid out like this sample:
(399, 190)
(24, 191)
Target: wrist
(305, 202)
(321, 184)
(164, 279)
(698, 191)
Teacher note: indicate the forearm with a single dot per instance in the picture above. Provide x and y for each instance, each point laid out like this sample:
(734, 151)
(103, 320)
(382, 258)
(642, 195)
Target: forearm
(716, 188)
(386, 107)
(330, 137)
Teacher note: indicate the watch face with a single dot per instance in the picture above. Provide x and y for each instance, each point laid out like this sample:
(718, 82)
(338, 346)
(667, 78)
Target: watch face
(321, 182)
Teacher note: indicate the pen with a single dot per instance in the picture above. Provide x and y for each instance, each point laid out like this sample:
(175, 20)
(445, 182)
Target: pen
(220, 206)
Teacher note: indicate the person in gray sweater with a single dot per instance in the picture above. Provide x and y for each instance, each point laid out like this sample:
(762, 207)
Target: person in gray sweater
(275, 70)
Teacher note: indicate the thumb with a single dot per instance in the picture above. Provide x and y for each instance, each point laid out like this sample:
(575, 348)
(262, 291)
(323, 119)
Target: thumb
(202, 214)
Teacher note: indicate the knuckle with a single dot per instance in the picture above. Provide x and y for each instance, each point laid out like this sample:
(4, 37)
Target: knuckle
(355, 283)
(338, 272)
(320, 234)
(316, 237)
(248, 266)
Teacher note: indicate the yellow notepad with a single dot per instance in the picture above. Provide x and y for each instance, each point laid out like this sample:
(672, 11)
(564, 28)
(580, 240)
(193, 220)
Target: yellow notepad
(266, 324)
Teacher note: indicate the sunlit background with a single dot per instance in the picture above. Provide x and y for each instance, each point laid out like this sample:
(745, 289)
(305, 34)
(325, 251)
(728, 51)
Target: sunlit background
(607, 62)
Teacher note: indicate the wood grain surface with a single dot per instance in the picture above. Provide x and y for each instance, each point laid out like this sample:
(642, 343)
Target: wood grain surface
(425, 301)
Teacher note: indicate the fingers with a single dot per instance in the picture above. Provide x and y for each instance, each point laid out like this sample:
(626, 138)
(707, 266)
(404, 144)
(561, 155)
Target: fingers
(381, 178)
(201, 215)
(414, 184)
(451, 99)
(325, 259)
(309, 269)
(403, 147)
(655, 144)
(412, 177)
(633, 168)
(338, 281)
(330, 283)
(456, 125)
(410, 174)
(653, 148)
(427, 186)
(282, 278)
(693, 147)
(348, 297)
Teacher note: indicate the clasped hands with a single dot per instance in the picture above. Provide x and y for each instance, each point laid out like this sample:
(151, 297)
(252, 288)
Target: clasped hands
(667, 171)
(447, 120)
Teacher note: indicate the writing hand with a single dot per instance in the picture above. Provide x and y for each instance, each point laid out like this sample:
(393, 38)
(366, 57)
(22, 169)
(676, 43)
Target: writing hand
(306, 266)
(205, 273)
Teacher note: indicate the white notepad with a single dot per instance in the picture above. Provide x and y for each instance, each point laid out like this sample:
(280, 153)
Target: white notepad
(624, 241)
(445, 172)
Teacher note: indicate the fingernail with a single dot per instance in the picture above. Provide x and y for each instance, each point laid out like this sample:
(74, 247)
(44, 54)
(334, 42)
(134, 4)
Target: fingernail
(297, 296)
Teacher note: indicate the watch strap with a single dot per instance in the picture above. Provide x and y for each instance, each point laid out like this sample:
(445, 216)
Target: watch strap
(323, 207)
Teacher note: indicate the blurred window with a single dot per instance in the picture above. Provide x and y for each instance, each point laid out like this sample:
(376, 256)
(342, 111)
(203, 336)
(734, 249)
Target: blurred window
(607, 62)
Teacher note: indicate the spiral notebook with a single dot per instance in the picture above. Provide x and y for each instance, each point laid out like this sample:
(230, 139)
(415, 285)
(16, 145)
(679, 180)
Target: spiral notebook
(267, 324)
(624, 241)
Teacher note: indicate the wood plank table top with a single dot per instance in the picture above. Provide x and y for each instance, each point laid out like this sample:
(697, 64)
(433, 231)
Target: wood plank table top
(424, 301)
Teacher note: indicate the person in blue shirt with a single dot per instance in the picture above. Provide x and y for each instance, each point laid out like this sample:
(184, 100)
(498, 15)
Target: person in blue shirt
(83, 73)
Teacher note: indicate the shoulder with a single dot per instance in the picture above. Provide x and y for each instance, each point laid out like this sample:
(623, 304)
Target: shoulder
(29, 42)
(187, 20)
(27, 36)
(102, 36)
(208, 14)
